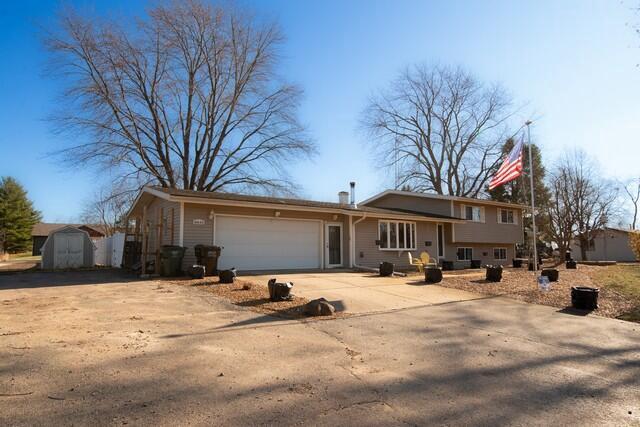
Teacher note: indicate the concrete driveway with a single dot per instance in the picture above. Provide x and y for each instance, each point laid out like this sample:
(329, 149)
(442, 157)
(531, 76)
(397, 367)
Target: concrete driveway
(367, 292)
(104, 349)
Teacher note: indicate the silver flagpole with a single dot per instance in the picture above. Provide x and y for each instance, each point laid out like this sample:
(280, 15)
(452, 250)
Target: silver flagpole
(533, 203)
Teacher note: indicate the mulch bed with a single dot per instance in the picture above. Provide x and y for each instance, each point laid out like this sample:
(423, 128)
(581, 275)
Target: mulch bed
(256, 298)
(521, 284)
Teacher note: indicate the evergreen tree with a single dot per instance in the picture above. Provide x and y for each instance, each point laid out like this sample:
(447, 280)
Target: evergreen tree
(17, 216)
(518, 191)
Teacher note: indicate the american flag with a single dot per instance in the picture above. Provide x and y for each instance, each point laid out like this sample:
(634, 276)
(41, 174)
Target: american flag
(510, 169)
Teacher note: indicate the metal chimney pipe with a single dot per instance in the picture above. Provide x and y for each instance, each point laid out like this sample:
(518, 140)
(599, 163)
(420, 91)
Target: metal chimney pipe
(353, 193)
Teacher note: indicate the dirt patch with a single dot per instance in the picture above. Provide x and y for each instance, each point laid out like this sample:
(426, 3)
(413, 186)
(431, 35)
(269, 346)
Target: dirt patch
(255, 298)
(521, 284)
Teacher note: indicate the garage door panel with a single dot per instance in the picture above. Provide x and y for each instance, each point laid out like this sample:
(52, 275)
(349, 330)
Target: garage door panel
(267, 243)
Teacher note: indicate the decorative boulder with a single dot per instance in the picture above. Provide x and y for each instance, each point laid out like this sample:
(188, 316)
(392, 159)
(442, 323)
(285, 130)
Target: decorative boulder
(494, 273)
(319, 307)
(197, 271)
(433, 275)
(584, 298)
(551, 273)
(571, 265)
(227, 276)
(386, 269)
(279, 291)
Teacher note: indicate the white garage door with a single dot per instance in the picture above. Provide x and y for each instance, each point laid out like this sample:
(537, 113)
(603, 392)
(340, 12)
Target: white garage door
(267, 243)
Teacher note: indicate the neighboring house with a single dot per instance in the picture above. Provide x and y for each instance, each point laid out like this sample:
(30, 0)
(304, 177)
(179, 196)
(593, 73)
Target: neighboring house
(270, 233)
(610, 244)
(41, 231)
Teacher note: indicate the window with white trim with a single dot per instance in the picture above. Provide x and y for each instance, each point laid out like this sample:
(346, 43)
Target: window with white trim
(499, 254)
(465, 254)
(397, 235)
(507, 216)
(472, 213)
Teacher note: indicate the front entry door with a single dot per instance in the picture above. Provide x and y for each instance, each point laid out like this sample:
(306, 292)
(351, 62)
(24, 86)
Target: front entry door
(333, 245)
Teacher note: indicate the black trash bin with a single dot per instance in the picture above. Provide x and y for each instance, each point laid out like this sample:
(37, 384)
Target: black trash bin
(208, 256)
(517, 263)
(171, 260)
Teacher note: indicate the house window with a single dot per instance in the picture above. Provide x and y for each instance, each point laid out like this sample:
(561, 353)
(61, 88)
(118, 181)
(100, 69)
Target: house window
(472, 213)
(465, 254)
(397, 235)
(506, 216)
(499, 254)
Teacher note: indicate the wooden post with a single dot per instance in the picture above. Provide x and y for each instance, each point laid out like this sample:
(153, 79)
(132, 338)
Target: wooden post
(145, 241)
(173, 217)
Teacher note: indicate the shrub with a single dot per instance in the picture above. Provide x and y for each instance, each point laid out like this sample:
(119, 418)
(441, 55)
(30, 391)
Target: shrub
(634, 242)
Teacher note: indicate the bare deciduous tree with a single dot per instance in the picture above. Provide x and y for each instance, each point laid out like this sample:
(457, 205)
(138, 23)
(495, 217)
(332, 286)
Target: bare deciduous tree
(188, 97)
(632, 190)
(559, 212)
(587, 200)
(440, 128)
(108, 207)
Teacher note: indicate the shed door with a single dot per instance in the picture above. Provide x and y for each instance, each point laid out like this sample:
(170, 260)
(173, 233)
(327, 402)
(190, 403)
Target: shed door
(68, 250)
(268, 243)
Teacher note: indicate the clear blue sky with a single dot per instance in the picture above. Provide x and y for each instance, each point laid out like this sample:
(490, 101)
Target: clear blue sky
(574, 64)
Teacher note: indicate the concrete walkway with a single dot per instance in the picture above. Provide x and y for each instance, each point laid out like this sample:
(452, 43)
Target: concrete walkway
(368, 292)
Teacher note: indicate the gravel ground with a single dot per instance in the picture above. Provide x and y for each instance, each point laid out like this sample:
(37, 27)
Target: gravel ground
(521, 284)
(256, 298)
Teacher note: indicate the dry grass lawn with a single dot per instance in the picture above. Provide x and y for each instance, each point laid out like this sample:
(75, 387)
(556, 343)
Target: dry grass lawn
(619, 287)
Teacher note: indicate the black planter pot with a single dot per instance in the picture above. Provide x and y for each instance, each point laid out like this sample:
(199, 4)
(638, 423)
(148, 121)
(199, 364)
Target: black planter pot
(433, 275)
(517, 263)
(551, 273)
(227, 276)
(386, 269)
(571, 265)
(447, 265)
(476, 263)
(494, 273)
(584, 298)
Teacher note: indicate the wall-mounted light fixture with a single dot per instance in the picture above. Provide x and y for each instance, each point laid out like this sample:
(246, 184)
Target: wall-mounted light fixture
(335, 217)
(277, 214)
(211, 214)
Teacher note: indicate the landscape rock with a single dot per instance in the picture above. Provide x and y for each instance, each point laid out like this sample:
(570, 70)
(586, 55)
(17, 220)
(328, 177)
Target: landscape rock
(319, 307)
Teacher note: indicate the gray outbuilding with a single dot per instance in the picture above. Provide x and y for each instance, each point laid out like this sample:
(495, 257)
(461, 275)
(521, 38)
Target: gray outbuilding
(67, 247)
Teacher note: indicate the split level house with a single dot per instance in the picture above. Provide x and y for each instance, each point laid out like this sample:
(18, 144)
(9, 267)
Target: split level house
(270, 233)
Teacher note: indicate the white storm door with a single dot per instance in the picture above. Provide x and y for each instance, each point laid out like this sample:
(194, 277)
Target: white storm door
(60, 251)
(333, 245)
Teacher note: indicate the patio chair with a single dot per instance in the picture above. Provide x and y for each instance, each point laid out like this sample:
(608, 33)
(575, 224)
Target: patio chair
(417, 262)
(427, 261)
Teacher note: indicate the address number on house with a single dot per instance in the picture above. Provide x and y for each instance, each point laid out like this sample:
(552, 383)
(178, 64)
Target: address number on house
(198, 222)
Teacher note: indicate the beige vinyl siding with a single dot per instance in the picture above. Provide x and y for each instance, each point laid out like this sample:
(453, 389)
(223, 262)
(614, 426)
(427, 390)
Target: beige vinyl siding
(204, 233)
(368, 254)
(413, 203)
(489, 230)
(614, 248)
